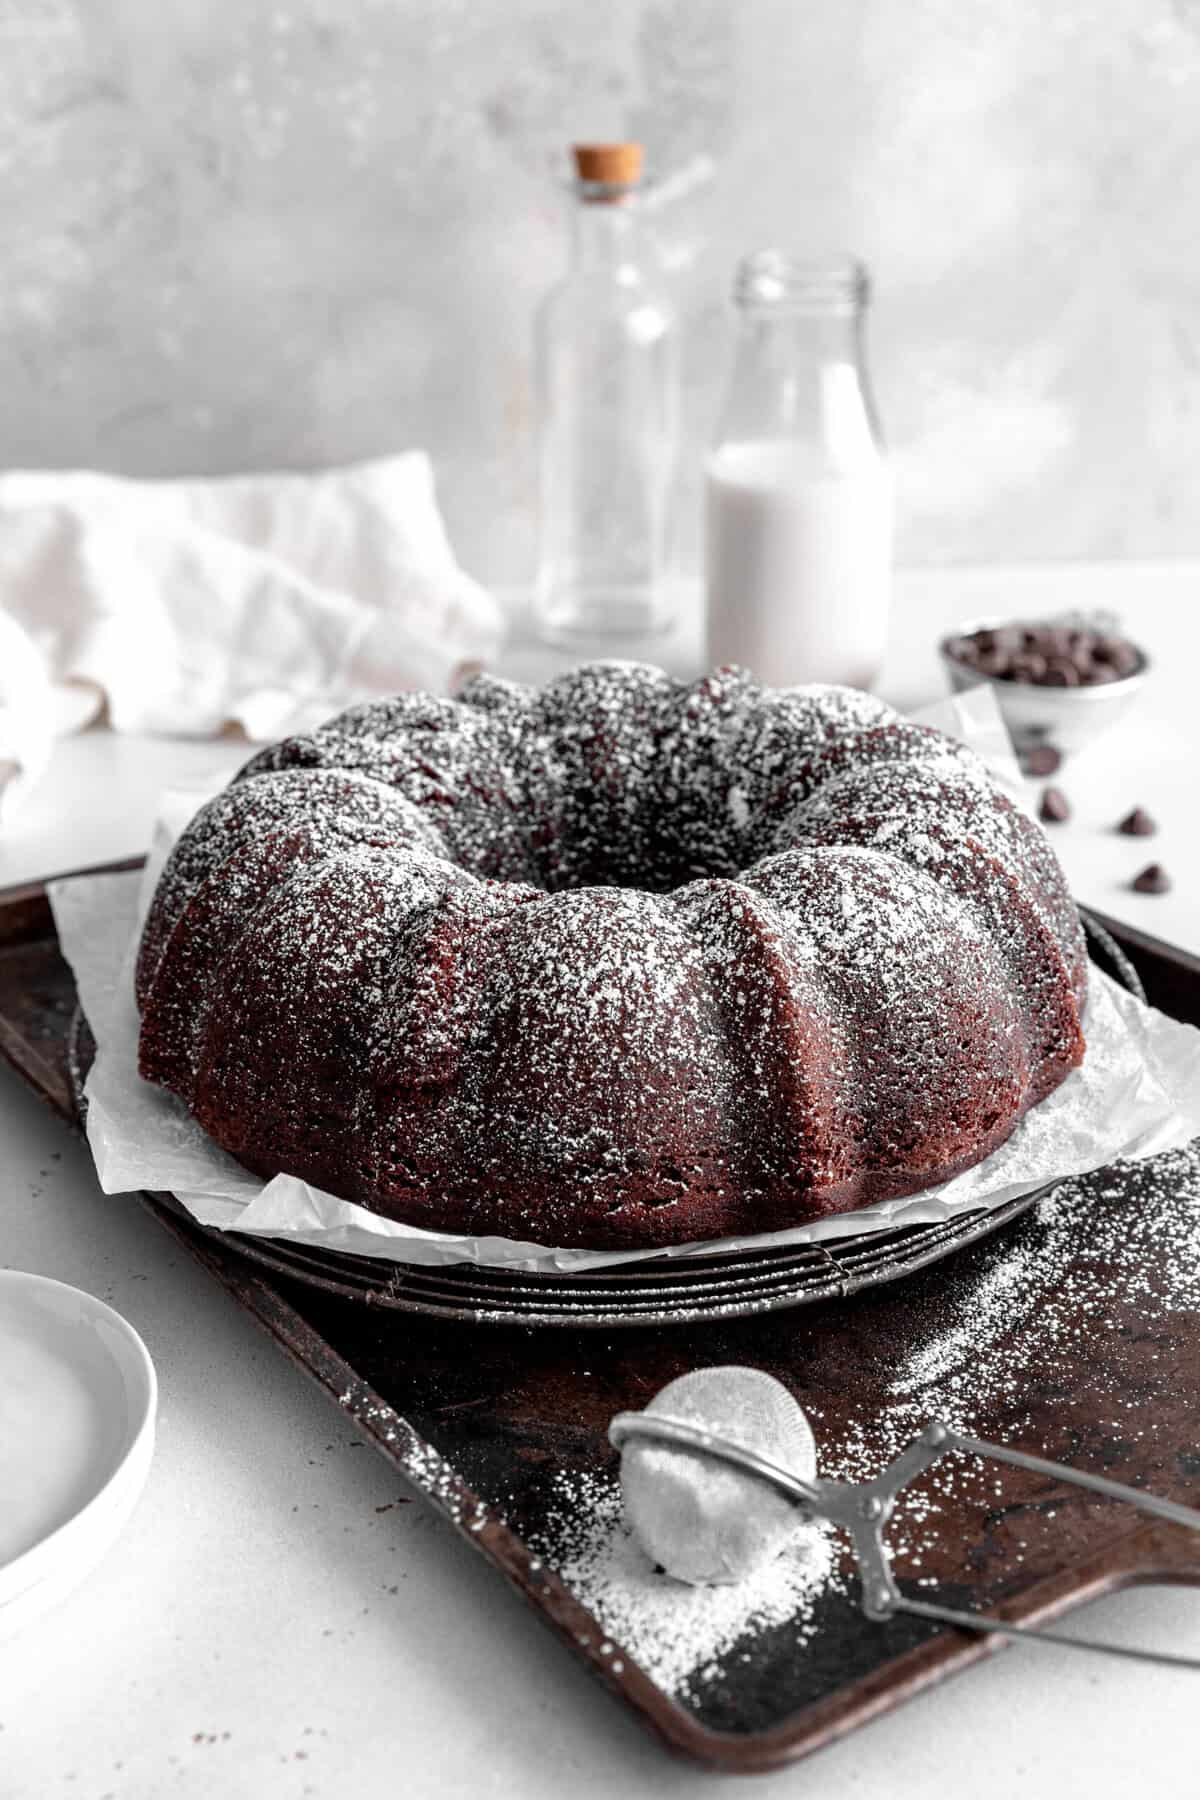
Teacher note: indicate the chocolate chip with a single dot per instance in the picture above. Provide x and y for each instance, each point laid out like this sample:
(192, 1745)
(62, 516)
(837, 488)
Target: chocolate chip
(1152, 880)
(1055, 808)
(1043, 759)
(1137, 823)
(1118, 652)
(1061, 673)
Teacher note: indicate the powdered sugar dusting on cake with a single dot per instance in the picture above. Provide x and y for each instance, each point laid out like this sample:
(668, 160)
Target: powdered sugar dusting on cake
(953, 792)
(254, 807)
(454, 763)
(614, 962)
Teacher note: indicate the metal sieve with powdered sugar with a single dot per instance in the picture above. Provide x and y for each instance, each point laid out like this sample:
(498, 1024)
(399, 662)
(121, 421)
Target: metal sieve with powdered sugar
(1037, 1301)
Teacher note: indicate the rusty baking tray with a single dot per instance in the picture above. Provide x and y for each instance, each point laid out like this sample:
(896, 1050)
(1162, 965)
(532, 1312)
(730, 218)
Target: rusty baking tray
(498, 1425)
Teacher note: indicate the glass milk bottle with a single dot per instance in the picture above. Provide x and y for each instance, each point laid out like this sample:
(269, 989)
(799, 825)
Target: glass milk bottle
(798, 491)
(607, 345)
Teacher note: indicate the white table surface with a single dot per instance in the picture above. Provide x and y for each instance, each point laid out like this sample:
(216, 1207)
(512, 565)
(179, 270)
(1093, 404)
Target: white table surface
(278, 1620)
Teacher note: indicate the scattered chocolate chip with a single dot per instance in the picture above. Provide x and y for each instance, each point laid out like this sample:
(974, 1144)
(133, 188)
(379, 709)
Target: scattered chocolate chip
(1055, 808)
(1152, 880)
(1043, 759)
(1137, 823)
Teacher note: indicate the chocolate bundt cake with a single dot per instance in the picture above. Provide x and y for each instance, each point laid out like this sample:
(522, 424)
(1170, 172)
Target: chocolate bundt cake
(614, 962)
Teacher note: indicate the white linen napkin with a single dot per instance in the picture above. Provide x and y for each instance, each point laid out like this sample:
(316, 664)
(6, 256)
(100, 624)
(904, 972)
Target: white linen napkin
(264, 601)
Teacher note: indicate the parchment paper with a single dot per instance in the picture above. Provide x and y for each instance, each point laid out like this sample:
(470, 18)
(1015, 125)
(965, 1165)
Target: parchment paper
(1137, 1092)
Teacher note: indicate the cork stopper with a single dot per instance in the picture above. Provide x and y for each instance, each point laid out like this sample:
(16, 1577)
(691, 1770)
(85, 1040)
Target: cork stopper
(616, 165)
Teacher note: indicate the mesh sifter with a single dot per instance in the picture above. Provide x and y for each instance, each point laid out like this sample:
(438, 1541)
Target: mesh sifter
(862, 1510)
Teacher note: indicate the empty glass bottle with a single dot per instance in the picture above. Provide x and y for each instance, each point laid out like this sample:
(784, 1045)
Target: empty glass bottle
(607, 344)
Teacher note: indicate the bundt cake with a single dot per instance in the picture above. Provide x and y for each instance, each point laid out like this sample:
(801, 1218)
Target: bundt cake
(615, 962)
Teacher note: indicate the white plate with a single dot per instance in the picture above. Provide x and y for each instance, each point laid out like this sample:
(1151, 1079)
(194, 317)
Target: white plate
(77, 1404)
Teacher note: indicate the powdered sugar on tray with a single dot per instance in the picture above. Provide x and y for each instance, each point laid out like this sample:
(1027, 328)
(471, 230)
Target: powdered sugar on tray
(1078, 1262)
(992, 1301)
(1063, 1277)
(1079, 1258)
(679, 1635)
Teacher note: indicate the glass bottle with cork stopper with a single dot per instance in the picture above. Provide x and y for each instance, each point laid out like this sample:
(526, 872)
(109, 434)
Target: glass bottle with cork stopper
(607, 367)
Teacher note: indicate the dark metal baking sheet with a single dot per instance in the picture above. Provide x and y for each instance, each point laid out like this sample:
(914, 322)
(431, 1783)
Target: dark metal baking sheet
(486, 1422)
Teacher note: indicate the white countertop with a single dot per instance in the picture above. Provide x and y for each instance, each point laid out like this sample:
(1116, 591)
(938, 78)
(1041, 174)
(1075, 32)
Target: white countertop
(278, 1621)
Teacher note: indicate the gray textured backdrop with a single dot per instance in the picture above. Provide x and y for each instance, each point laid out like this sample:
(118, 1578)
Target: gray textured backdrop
(239, 233)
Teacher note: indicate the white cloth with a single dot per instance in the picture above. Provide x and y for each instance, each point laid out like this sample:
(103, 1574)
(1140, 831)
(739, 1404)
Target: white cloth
(265, 601)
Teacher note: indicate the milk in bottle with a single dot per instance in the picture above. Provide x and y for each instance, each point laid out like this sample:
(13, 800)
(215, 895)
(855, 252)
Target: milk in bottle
(799, 493)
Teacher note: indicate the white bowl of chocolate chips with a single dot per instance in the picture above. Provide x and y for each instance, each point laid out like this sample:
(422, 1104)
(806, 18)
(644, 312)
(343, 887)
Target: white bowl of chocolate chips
(1059, 682)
